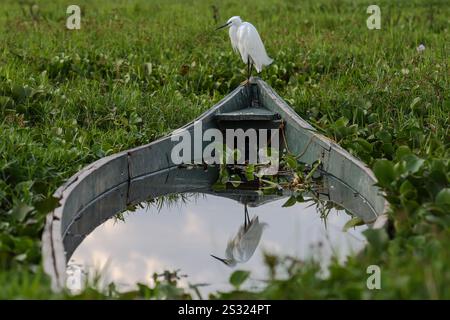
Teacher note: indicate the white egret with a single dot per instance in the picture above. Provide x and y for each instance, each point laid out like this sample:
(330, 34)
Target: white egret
(242, 247)
(245, 39)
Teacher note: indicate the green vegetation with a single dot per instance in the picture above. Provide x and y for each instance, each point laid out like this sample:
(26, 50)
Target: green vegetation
(138, 69)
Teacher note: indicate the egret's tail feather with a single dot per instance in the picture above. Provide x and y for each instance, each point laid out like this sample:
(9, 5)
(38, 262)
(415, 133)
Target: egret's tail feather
(265, 62)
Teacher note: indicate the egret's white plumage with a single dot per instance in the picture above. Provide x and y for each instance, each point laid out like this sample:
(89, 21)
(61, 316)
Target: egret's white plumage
(242, 247)
(245, 39)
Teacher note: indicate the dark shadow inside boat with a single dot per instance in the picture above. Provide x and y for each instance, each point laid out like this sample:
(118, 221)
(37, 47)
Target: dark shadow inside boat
(177, 186)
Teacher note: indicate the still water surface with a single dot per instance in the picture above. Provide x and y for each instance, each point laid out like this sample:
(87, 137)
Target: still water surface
(182, 235)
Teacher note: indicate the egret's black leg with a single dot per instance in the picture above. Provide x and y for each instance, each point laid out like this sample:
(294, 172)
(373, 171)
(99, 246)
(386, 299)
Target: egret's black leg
(249, 70)
(246, 217)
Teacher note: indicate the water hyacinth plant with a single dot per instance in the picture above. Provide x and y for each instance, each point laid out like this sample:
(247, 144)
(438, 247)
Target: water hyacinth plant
(70, 97)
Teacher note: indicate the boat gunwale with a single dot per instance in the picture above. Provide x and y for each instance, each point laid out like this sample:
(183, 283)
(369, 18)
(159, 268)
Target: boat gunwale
(129, 169)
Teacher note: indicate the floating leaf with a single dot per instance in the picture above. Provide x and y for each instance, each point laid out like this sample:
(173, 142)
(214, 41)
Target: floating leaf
(384, 136)
(21, 211)
(238, 277)
(21, 257)
(443, 197)
(291, 161)
(224, 176)
(218, 186)
(235, 180)
(388, 148)
(401, 152)
(290, 202)
(47, 205)
(20, 93)
(250, 172)
(384, 171)
(300, 198)
(377, 238)
(341, 122)
(364, 144)
(354, 222)
(407, 189)
(413, 163)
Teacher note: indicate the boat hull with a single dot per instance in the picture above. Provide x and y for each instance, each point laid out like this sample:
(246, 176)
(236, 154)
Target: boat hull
(111, 184)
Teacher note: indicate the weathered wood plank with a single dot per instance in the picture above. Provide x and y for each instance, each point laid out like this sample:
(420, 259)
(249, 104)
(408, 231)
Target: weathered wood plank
(156, 155)
(91, 182)
(336, 161)
(109, 184)
(94, 214)
(170, 181)
(345, 196)
(355, 174)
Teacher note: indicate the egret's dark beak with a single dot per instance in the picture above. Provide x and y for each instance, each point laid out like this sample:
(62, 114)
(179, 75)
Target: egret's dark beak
(225, 25)
(220, 259)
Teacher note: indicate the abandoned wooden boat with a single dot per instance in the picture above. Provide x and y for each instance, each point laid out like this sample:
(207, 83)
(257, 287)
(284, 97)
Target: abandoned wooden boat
(109, 185)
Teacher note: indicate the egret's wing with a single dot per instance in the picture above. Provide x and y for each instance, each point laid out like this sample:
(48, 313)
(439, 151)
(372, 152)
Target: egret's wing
(254, 46)
(242, 36)
(250, 240)
(233, 37)
(229, 250)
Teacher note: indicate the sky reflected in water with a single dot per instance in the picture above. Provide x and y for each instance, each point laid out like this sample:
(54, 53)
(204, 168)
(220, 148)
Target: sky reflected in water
(182, 236)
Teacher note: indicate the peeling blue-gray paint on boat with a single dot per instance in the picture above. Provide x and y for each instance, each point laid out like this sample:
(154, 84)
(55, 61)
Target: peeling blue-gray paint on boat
(109, 185)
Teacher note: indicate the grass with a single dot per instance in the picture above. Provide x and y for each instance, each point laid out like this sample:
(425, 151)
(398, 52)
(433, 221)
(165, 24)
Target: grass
(138, 69)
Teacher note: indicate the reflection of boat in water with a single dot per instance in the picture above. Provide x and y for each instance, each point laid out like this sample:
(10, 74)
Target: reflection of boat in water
(243, 245)
(110, 185)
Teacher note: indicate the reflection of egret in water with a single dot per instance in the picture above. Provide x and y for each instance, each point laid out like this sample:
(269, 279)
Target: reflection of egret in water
(242, 247)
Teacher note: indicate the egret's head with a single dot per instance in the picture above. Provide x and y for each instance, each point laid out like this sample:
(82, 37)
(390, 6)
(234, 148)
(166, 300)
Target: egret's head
(233, 21)
(228, 262)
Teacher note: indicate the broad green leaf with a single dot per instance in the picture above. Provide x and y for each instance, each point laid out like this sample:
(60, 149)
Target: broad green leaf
(291, 161)
(341, 122)
(384, 136)
(407, 188)
(356, 221)
(443, 197)
(250, 172)
(218, 186)
(388, 148)
(21, 93)
(300, 198)
(399, 168)
(413, 163)
(235, 180)
(21, 257)
(377, 238)
(47, 205)
(21, 211)
(401, 152)
(290, 202)
(384, 171)
(364, 144)
(238, 277)
(224, 175)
